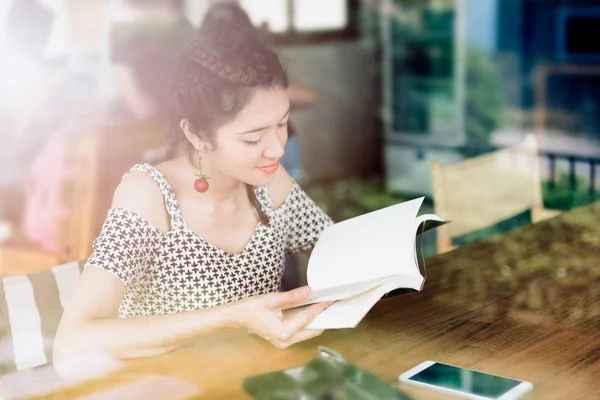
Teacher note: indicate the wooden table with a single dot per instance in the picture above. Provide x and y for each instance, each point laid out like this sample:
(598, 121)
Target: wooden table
(524, 304)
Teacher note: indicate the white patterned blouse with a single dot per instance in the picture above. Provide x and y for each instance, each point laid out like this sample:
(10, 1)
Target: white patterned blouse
(178, 270)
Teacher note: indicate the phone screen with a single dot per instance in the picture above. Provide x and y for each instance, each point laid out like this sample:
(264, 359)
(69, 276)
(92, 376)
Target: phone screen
(464, 380)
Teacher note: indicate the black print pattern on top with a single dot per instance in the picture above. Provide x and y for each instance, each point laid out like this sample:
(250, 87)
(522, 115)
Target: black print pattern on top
(178, 270)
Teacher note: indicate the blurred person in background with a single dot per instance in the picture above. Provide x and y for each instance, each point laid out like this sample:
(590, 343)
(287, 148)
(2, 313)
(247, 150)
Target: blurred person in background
(27, 75)
(45, 90)
(70, 102)
(143, 50)
(29, 80)
(86, 53)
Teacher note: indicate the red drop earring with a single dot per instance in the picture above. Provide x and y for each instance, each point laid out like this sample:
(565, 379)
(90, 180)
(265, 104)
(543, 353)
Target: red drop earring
(201, 184)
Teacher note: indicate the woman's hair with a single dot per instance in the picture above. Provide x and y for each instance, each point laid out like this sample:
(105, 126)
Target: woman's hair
(220, 69)
(218, 74)
(227, 12)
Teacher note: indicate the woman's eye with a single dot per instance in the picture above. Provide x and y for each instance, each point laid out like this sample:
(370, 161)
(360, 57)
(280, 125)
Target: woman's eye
(252, 143)
(283, 124)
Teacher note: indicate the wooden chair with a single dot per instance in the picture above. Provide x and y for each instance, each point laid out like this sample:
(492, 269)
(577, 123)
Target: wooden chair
(78, 194)
(31, 306)
(121, 146)
(482, 191)
(97, 159)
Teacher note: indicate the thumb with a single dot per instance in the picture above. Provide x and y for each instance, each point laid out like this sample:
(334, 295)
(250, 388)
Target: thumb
(288, 299)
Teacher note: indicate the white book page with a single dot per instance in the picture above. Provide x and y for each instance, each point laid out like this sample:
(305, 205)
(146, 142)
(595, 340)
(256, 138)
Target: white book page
(343, 292)
(349, 290)
(356, 299)
(348, 313)
(368, 247)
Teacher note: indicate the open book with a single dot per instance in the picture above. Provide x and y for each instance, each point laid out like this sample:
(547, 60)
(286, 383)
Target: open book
(359, 260)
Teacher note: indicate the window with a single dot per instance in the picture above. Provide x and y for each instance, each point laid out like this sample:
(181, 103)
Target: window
(331, 15)
(272, 14)
(301, 21)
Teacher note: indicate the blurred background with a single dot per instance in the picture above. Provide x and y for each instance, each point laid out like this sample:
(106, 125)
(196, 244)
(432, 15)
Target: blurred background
(488, 108)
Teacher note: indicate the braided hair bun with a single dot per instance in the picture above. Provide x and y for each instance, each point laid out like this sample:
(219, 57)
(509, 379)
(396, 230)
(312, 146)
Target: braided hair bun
(219, 70)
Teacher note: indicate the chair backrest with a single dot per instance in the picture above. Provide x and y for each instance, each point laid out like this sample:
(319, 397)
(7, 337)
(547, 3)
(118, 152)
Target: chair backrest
(30, 309)
(98, 159)
(80, 193)
(59, 210)
(67, 203)
(482, 191)
(121, 147)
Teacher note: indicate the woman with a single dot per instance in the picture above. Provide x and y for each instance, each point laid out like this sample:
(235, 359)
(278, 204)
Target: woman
(196, 244)
(300, 97)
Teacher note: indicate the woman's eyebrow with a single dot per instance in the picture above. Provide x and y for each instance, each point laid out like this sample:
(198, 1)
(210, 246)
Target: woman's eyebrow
(254, 130)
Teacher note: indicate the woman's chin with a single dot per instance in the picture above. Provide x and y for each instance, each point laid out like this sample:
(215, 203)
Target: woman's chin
(260, 179)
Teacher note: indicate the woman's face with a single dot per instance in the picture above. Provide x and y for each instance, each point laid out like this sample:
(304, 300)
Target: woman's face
(249, 147)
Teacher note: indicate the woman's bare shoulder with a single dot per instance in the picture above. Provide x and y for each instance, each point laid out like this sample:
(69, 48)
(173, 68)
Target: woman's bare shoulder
(140, 194)
(280, 187)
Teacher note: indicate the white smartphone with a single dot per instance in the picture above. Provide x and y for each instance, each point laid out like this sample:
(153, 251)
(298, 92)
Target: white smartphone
(464, 382)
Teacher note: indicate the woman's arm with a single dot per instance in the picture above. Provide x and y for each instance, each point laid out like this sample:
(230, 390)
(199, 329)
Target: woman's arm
(305, 219)
(90, 323)
(280, 187)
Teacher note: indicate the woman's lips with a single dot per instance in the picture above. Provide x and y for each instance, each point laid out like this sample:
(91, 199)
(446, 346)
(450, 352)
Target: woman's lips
(270, 169)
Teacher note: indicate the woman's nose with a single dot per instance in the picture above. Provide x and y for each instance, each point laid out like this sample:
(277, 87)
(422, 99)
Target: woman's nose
(275, 147)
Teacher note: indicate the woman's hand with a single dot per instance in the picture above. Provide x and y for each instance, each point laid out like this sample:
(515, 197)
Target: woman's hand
(263, 315)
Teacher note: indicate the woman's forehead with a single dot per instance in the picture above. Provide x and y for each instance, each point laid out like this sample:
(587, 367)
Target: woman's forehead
(266, 107)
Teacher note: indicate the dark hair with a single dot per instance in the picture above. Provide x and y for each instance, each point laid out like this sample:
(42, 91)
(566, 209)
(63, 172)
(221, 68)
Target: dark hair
(219, 71)
(28, 26)
(227, 12)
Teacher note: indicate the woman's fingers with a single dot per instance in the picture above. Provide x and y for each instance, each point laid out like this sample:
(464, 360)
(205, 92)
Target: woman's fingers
(289, 299)
(285, 332)
(300, 336)
(297, 323)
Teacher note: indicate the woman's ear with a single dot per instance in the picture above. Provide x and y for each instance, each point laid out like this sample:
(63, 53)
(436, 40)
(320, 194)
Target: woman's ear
(197, 139)
(190, 133)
